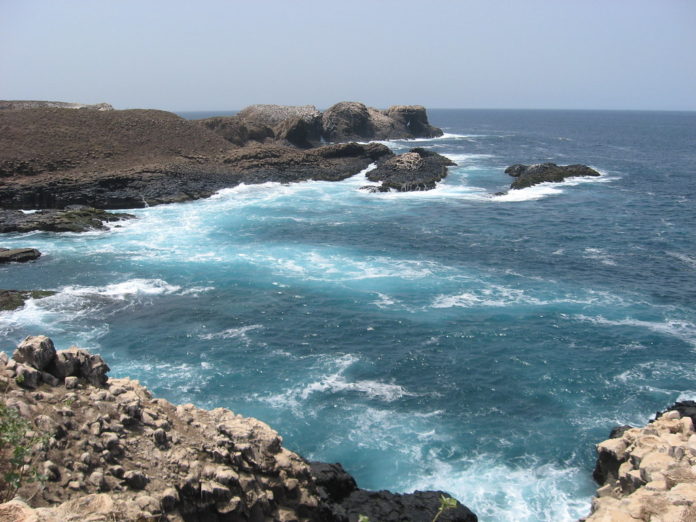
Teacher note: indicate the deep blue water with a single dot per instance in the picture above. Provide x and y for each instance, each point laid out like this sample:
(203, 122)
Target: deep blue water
(445, 339)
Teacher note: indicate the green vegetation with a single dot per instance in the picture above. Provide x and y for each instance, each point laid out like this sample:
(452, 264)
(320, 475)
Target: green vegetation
(445, 504)
(16, 441)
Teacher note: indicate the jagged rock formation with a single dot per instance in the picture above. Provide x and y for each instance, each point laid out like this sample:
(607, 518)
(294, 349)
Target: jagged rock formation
(528, 175)
(347, 121)
(304, 126)
(648, 474)
(13, 299)
(17, 255)
(116, 453)
(14, 105)
(418, 169)
(72, 219)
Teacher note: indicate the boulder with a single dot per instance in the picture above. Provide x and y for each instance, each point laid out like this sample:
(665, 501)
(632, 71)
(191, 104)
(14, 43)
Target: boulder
(238, 131)
(18, 255)
(80, 363)
(36, 351)
(418, 169)
(528, 175)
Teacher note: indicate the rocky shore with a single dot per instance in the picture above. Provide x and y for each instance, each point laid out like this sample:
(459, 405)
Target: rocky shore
(648, 474)
(52, 157)
(108, 450)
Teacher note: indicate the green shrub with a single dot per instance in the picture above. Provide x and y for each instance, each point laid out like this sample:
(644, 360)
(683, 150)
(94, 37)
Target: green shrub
(16, 442)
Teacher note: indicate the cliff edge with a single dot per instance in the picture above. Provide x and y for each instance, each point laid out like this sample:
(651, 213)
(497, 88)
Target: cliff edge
(106, 449)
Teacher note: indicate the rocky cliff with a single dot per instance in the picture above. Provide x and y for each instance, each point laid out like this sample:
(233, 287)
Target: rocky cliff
(111, 451)
(304, 126)
(648, 474)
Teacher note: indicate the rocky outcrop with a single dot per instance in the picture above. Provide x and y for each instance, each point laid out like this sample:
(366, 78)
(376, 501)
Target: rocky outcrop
(14, 105)
(75, 219)
(53, 158)
(648, 474)
(345, 501)
(18, 255)
(418, 169)
(304, 126)
(13, 299)
(346, 121)
(528, 175)
(298, 126)
(114, 451)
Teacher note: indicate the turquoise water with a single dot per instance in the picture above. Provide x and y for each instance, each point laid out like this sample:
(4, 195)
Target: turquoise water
(444, 339)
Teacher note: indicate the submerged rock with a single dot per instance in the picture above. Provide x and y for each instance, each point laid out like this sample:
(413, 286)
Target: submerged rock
(418, 169)
(18, 255)
(13, 299)
(528, 175)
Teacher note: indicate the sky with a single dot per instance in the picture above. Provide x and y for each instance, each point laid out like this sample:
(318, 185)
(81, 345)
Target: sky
(225, 55)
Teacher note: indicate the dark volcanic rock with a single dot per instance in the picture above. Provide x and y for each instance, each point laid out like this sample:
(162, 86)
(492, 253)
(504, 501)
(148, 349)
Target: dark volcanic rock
(418, 169)
(342, 500)
(18, 255)
(528, 175)
(13, 299)
(79, 219)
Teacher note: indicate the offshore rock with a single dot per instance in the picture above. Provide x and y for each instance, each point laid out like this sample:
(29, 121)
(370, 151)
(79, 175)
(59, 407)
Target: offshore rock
(18, 255)
(528, 175)
(648, 473)
(114, 452)
(13, 299)
(418, 169)
(76, 219)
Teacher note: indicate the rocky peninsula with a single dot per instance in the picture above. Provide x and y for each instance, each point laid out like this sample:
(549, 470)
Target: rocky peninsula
(106, 449)
(52, 157)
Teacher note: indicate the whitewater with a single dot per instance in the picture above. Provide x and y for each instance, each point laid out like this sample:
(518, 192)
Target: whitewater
(451, 339)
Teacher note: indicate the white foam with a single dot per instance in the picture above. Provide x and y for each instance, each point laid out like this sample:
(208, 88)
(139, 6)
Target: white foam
(384, 301)
(232, 333)
(680, 329)
(542, 190)
(497, 492)
(599, 255)
(688, 260)
(463, 158)
(125, 289)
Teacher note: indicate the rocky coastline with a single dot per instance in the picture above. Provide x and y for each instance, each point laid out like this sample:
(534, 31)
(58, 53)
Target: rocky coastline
(648, 474)
(109, 450)
(52, 157)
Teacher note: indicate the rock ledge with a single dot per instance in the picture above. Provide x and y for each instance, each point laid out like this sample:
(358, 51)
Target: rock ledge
(114, 452)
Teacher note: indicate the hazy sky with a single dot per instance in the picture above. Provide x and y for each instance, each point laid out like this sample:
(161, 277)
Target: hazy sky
(214, 54)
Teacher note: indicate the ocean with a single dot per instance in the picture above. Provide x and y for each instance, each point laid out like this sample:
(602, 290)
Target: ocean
(448, 339)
